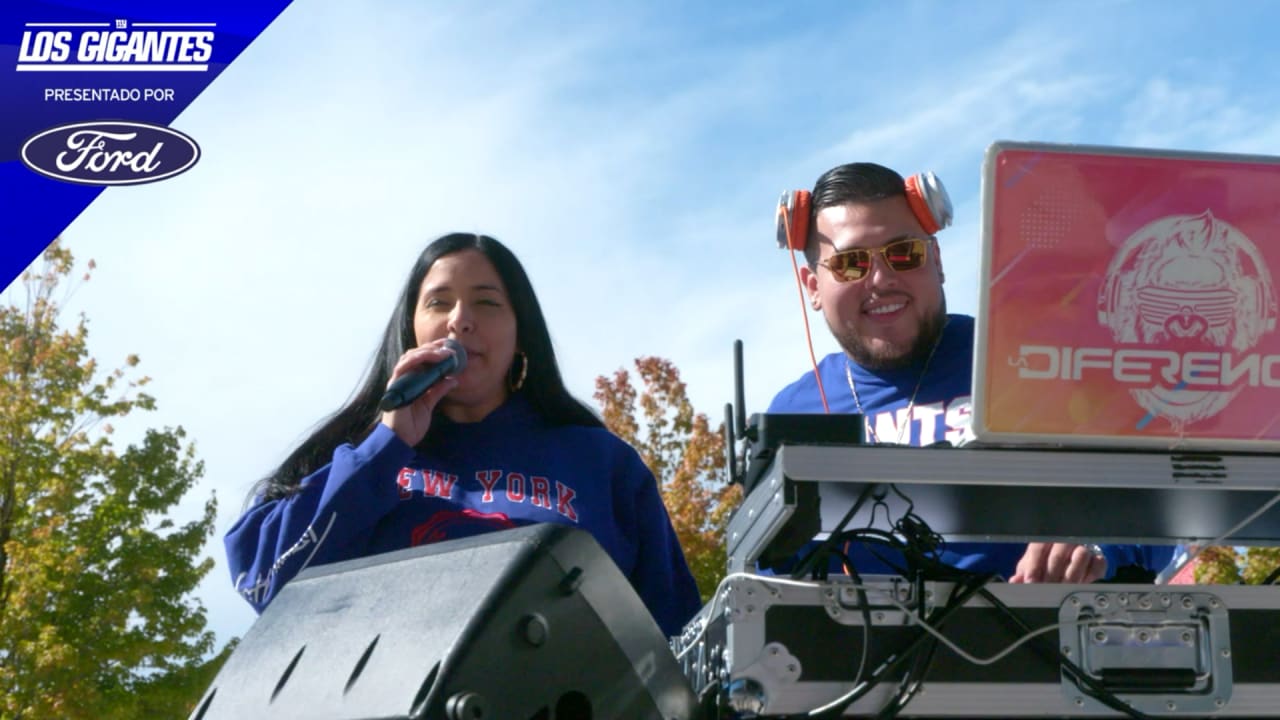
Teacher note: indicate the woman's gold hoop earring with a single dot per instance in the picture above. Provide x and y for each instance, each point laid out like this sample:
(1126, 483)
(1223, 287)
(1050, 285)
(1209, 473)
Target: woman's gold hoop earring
(518, 383)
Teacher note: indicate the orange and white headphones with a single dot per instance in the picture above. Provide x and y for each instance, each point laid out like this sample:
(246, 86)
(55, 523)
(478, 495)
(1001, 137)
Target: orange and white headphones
(925, 194)
(929, 203)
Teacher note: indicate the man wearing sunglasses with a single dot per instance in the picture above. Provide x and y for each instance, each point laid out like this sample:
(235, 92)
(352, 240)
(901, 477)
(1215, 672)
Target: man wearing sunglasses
(874, 271)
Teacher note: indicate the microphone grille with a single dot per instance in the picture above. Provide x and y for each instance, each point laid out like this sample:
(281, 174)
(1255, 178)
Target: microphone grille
(459, 354)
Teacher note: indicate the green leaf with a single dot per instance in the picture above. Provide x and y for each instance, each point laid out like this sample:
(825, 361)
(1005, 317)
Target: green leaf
(97, 613)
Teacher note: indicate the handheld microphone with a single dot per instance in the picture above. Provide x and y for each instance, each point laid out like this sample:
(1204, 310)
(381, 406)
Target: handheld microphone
(411, 385)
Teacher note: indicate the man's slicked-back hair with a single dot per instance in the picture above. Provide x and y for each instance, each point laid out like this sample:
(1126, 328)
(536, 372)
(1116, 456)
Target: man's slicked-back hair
(861, 182)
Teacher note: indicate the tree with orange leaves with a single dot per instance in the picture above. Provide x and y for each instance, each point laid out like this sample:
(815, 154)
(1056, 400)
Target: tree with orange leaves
(684, 454)
(98, 617)
(1222, 565)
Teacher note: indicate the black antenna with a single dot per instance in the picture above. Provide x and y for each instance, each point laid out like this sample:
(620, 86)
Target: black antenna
(740, 420)
(729, 444)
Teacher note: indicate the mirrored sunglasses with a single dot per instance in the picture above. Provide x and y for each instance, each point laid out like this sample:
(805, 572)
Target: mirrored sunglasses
(901, 255)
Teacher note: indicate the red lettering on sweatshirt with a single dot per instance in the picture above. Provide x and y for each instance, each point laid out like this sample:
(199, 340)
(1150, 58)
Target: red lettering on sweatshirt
(540, 491)
(403, 480)
(564, 501)
(487, 479)
(515, 487)
(437, 483)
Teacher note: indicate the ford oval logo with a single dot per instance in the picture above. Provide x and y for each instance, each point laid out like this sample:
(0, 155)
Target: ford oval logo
(110, 152)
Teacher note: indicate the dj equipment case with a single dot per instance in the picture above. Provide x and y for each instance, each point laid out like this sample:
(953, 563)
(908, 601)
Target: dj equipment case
(775, 647)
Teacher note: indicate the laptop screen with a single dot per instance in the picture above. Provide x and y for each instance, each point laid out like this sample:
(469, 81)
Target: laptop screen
(1127, 299)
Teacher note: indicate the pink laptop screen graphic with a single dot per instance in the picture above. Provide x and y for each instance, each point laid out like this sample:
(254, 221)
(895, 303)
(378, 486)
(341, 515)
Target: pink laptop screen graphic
(1131, 297)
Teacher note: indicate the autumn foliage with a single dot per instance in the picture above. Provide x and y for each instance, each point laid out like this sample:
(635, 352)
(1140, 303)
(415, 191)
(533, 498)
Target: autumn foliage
(684, 453)
(1221, 565)
(97, 619)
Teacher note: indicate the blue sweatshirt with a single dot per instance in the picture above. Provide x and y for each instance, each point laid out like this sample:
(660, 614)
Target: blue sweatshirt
(942, 411)
(510, 469)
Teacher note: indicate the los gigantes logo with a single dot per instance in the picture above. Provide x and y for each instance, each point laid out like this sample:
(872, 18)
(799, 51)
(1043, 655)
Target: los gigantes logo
(121, 46)
(116, 151)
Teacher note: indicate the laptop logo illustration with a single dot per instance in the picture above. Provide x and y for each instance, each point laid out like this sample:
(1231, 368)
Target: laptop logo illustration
(1197, 287)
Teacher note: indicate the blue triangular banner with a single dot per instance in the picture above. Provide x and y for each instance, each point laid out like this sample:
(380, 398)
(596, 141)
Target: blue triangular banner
(87, 91)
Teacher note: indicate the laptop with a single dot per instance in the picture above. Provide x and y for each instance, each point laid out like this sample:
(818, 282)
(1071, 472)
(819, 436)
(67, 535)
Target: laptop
(1127, 299)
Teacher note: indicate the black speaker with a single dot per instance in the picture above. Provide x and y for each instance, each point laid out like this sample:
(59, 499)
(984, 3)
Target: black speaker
(531, 623)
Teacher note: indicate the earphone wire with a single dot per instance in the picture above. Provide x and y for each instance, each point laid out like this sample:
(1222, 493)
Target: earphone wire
(804, 312)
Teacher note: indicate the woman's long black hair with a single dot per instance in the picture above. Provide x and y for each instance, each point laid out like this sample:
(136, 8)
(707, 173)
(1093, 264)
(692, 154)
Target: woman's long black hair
(543, 385)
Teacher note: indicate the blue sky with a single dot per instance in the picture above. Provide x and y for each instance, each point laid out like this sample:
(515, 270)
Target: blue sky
(630, 154)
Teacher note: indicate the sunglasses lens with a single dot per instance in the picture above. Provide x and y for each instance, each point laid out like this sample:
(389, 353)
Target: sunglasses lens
(901, 255)
(905, 254)
(851, 265)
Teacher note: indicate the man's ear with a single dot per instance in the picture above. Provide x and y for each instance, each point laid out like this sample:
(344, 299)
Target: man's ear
(937, 253)
(810, 280)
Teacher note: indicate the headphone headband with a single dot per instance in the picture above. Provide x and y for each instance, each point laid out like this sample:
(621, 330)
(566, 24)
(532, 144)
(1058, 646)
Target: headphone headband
(926, 195)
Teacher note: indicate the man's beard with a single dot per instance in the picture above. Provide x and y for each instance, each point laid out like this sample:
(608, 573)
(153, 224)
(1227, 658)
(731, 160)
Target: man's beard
(895, 358)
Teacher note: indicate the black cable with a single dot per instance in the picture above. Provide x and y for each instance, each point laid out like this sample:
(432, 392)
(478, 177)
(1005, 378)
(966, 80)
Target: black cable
(824, 548)
(1095, 689)
(866, 620)
(876, 506)
(913, 650)
(914, 678)
(891, 664)
(917, 562)
(911, 505)
(918, 546)
(912, 682)
(923, 561)
(1271, 579)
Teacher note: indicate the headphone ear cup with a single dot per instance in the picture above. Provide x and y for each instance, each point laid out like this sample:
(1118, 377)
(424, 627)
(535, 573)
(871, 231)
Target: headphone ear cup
(1109, 293)
(1107, 299)
(1266, 303)
(793, 220)
(929, 201)
(1265, 306)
